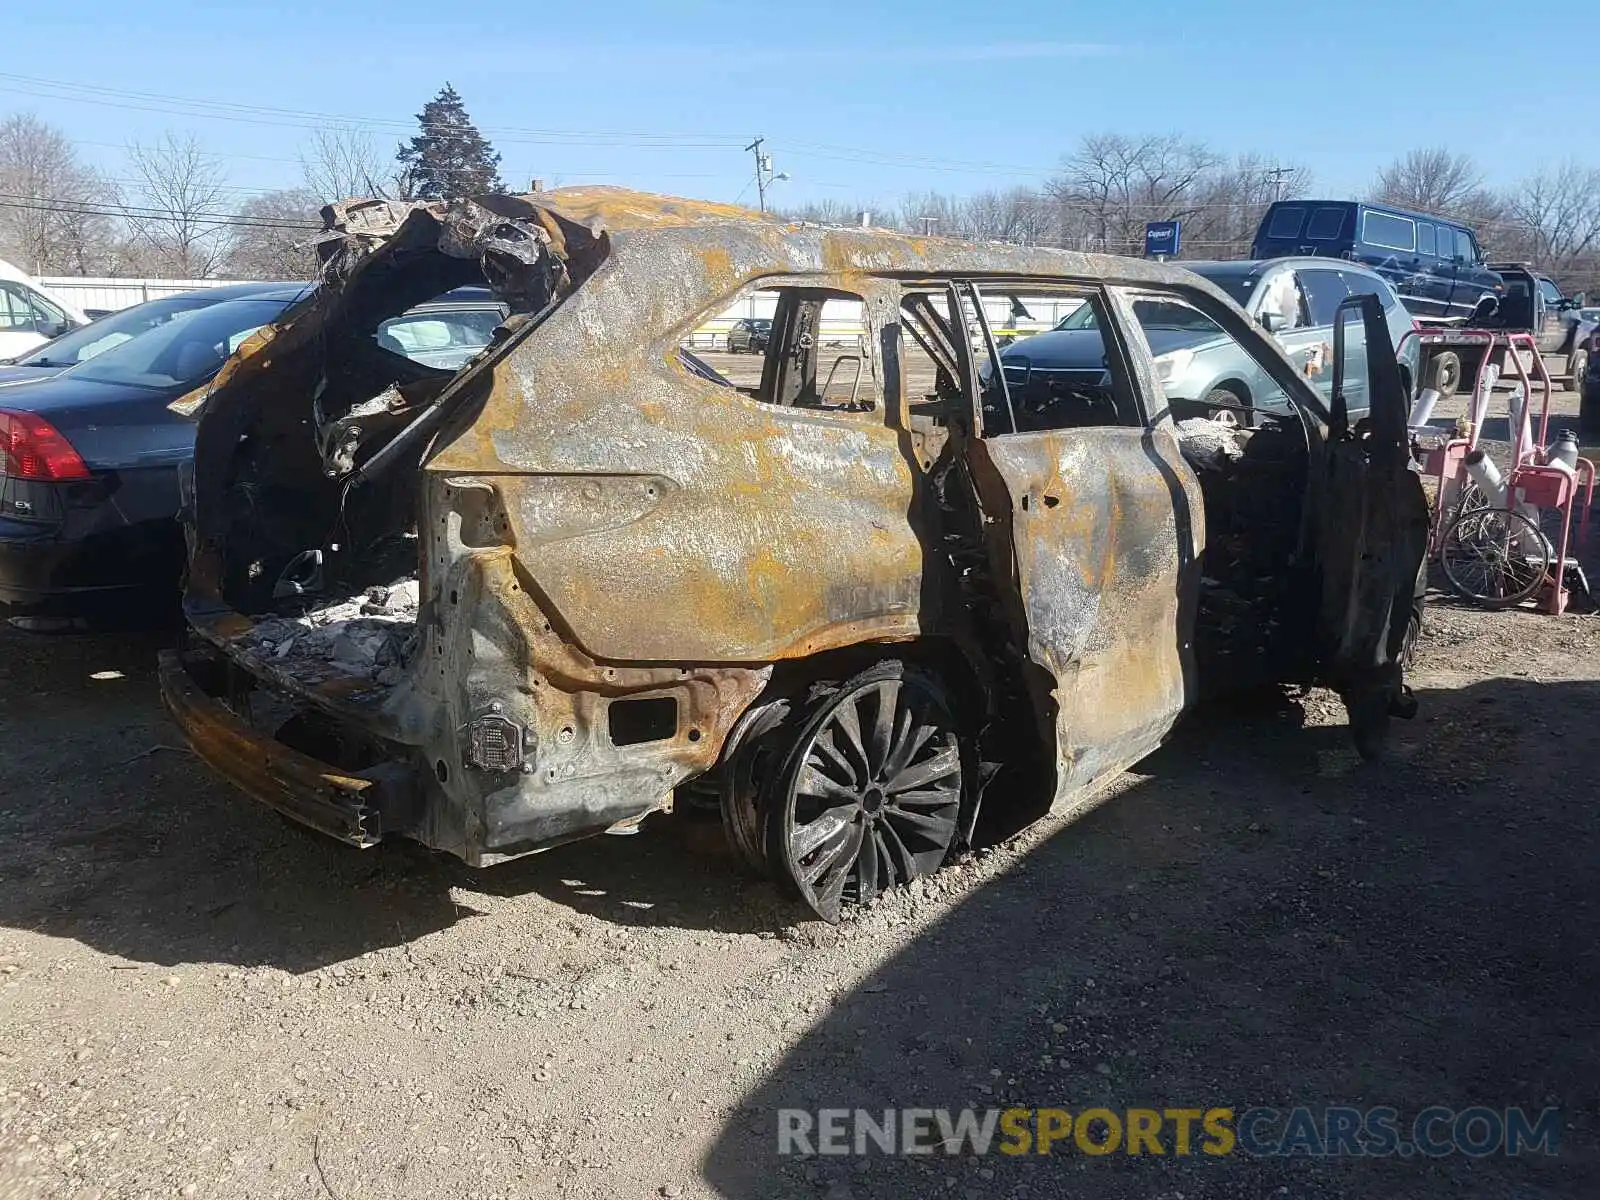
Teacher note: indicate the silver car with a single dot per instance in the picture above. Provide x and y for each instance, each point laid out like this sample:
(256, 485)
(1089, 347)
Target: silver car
(1202, 370)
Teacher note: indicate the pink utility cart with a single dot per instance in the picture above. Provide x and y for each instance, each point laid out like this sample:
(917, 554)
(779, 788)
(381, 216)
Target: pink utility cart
(1493, 554)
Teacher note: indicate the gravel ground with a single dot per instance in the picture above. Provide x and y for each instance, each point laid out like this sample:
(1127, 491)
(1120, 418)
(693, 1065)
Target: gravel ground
(198, 1000)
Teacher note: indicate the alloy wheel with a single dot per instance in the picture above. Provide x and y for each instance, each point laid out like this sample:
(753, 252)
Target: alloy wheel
(871, 796)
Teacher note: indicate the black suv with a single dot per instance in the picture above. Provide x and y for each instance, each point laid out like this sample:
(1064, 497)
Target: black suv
(1435, 265)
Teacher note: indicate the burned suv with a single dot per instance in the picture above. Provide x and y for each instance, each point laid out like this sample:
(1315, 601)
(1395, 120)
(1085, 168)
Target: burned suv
(541, 597)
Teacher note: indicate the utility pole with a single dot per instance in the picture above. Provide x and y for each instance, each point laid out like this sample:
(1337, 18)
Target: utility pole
(765, 177)
(927, 225)
(1278, 174)
(763, 165)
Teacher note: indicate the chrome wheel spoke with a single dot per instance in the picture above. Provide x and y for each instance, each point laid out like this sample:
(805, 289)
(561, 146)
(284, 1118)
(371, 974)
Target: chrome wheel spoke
(813, 782)
(826, 749)
(907, 746)
(895, 852)
(848, 721)
(813, 835)
(869, 868)
(836, 855)
(946, 761)
(933, 827)
(888, 697)
(922, 799)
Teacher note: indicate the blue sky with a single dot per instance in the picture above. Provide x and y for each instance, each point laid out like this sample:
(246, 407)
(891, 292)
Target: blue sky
(859, 101)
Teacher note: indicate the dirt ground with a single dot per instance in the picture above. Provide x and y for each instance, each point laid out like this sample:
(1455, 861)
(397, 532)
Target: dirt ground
(198, 1000)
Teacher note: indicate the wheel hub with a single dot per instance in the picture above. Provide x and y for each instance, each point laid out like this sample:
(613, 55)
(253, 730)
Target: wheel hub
(871, 796)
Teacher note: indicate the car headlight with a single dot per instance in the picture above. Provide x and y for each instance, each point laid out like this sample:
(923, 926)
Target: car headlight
(1172, 364)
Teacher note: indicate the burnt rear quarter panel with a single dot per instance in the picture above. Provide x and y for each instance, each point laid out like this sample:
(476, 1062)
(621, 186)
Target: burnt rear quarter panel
(665, 518)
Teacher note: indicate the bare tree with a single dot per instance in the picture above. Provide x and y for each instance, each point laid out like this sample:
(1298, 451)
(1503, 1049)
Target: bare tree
(89, 241)
(1230, 201)
(342, 162)
(931, 212)
(1117, 183)
(1020, 215)
(272, 237)
(52, 207)
(1133, 182)
(1558, 215)
(1437, 180)
(1432, 180)
(180, 199)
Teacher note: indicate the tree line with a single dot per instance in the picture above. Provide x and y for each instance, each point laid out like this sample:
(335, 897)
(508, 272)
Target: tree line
(1112, 184)
(173, 212)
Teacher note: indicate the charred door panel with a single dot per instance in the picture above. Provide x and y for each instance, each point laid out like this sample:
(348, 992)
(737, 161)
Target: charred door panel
(1107, 527)
(667, 518)
(1372, 528)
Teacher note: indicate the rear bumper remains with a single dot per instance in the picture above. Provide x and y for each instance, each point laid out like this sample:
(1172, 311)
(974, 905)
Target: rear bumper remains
(333, 801)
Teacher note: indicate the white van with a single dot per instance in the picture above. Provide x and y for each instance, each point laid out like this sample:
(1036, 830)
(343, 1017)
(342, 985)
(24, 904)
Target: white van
(29, 315)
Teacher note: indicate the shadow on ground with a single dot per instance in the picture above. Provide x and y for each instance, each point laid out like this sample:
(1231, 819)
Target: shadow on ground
(111, 833)
(1262, 920)
(1259, 920)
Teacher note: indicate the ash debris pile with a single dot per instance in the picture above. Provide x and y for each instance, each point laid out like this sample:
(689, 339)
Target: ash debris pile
(370, 636)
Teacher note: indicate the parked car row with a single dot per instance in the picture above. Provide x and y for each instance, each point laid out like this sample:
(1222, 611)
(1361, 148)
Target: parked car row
(1439, 272)
(83, 342)
(1202, 369)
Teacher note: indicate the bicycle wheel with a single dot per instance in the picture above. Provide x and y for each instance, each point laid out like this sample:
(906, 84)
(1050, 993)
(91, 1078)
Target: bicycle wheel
(1468, 498)
(1494, 557)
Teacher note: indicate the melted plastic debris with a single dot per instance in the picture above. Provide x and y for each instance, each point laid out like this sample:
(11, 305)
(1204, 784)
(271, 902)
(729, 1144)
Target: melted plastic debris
(1209, 444)
(368, 637)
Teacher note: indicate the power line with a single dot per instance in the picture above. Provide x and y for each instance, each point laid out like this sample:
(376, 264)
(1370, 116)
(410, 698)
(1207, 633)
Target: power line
(130, 212)
(260, 114)
(508, 135)
(639, 140)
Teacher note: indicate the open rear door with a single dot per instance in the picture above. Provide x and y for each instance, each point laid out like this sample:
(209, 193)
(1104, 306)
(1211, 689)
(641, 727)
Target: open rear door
(1372, 529)
(1093, 517)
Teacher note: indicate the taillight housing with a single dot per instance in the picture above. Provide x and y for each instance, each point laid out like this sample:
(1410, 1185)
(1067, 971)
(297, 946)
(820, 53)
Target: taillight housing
(32, 448)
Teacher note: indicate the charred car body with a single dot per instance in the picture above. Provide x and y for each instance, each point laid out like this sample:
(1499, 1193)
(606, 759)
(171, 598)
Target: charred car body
(531, 601)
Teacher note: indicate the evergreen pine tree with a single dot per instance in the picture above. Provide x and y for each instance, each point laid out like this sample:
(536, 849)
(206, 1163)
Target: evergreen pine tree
(448, 157)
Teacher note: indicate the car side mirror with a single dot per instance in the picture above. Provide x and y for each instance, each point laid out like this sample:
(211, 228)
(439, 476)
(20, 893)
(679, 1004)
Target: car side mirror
(1273, 322)
(1576, 301)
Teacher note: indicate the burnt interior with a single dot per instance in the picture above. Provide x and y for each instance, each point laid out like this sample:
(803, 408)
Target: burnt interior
(1253, 482)
(305, 486)
(293, 523)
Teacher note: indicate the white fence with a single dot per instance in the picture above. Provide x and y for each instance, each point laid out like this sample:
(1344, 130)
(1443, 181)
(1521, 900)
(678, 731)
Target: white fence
(112, 294)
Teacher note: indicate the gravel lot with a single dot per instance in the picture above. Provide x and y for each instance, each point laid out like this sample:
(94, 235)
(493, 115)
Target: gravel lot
(197, 1000)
